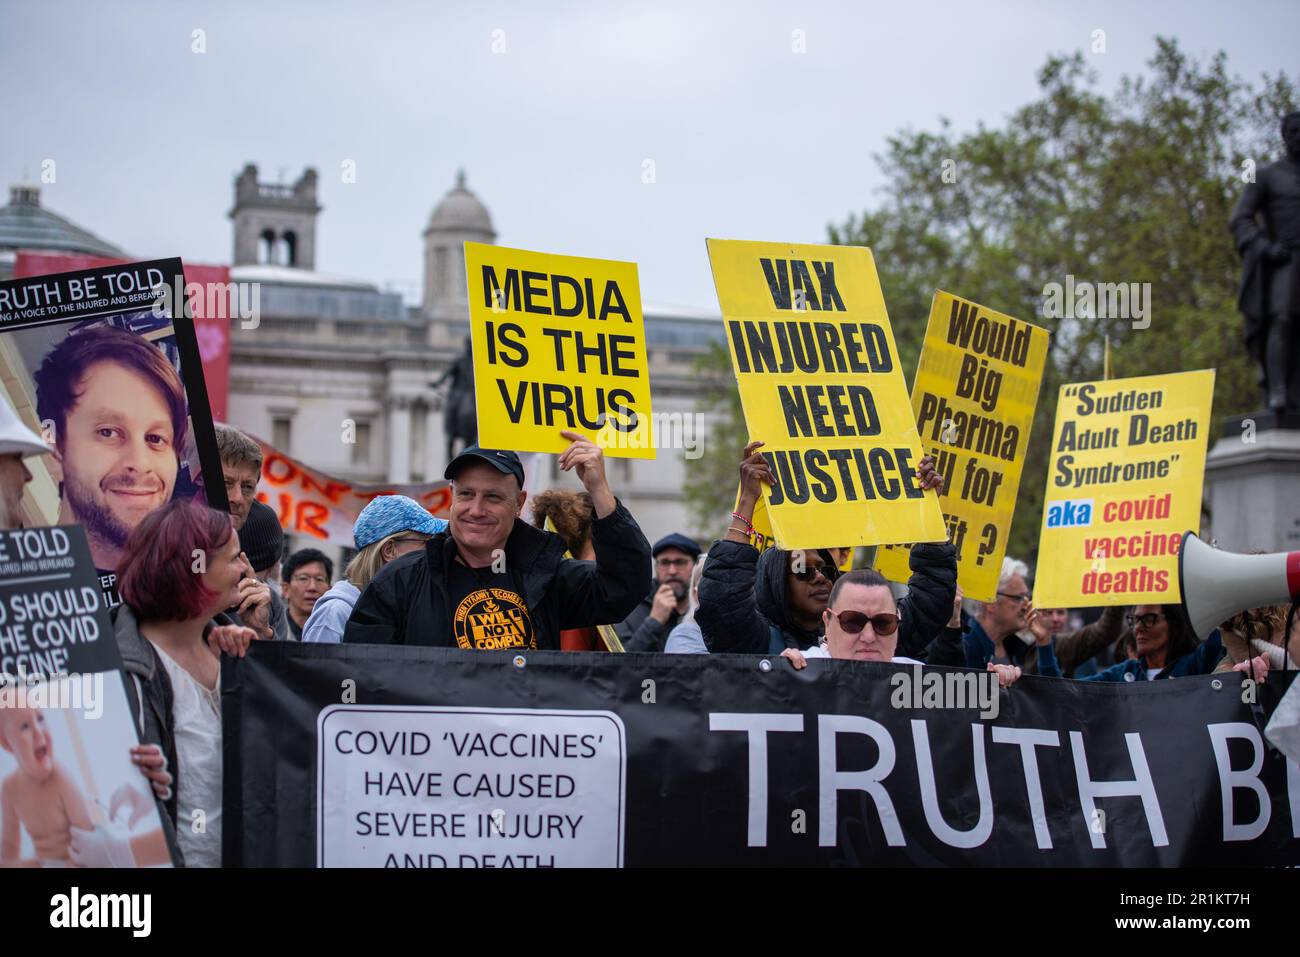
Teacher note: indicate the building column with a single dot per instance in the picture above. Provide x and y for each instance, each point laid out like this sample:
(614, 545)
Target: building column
(399, 440)
(435, 445)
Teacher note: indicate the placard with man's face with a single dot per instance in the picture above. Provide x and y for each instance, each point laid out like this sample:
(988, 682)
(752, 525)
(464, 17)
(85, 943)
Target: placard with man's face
(108, 374)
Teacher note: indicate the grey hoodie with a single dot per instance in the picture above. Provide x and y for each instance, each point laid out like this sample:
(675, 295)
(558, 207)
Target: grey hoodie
(329, 616)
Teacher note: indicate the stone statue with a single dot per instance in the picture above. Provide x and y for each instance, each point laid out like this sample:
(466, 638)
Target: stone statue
(1270, 282)
(459, 416)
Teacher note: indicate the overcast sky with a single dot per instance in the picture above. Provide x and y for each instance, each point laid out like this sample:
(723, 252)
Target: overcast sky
(749, 139)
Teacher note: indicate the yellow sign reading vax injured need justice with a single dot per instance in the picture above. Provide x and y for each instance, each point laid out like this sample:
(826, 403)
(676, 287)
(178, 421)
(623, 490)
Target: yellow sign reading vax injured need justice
(974, 396)
(1124, 484)
(820, 384)
(559, 344)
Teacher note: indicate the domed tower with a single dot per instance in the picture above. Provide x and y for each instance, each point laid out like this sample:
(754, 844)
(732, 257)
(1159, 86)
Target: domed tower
(26, 224)
(459, 218)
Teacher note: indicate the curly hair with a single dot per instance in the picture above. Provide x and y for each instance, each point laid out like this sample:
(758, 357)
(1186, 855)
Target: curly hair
(1257, 622)
(569, 512)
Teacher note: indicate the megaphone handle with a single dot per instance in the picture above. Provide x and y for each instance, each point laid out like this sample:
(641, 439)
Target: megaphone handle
(1286, 635)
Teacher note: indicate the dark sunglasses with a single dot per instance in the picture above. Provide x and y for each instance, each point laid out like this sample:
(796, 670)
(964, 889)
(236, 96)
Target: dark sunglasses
(1147, 621)
(854, 621)
(810, 573)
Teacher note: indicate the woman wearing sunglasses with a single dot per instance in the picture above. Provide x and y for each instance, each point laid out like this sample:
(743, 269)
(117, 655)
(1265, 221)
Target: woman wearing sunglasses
(862, 625)
(1167, 648)
(763, 604)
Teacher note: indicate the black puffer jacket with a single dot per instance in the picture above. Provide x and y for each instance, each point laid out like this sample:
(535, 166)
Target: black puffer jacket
(407, 603)
(743, 609)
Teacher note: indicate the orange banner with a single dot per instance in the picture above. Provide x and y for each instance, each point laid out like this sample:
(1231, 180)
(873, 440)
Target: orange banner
(309, 502)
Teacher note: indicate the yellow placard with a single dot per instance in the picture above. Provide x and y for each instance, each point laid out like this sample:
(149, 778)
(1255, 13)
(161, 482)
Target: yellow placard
(559, 344)
(974, 396)
(820, 384)
(1124, 484)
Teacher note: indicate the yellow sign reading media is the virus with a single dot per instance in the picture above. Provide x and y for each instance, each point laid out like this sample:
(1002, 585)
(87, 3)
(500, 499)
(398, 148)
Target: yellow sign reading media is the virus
(974, 397)
(558, 344)
(820, 384)
(1124, 484)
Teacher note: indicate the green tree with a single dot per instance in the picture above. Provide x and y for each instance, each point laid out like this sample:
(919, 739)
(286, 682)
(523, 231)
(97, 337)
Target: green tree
(712, 479)
(1133, 187)
(1136, 186)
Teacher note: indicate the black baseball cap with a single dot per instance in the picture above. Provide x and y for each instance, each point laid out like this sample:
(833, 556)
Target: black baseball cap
(504, 462)
(678, 541)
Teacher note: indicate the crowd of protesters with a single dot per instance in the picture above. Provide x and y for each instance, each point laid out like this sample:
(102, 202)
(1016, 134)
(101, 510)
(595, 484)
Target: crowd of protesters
(579, 576)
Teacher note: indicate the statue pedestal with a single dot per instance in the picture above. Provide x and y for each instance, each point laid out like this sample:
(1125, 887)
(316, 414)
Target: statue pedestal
(1254, 486)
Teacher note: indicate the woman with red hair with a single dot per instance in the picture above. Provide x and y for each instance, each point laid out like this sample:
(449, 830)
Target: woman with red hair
(180, 570)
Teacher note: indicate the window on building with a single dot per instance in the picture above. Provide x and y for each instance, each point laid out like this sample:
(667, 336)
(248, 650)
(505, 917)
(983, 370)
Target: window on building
(266, 247)
(281, 432)
(290, 248)
(361, 447)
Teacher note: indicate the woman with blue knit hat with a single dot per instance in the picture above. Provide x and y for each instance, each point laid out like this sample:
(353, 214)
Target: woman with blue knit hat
(390, 526)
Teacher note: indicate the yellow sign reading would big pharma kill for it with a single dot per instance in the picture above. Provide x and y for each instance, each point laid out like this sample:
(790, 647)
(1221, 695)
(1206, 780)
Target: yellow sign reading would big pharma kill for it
(1124, 484)
(974, 397)
(820, 384)
(558, 344)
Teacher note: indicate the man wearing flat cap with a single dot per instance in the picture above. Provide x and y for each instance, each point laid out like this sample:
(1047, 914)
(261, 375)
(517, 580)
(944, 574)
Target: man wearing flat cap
(491, 581)
(650, 623)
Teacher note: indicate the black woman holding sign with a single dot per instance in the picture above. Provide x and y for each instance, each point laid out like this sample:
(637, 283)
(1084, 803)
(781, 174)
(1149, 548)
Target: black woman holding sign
(763, 604)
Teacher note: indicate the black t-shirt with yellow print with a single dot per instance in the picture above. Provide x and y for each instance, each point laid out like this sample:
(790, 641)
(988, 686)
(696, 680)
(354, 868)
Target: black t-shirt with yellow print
(487, 611)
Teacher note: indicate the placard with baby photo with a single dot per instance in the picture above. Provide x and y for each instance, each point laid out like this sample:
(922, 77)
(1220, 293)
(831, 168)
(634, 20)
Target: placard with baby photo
(71, 792)
(66, 771)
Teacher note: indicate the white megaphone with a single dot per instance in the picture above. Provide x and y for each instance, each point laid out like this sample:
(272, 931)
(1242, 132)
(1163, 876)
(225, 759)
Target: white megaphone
(1216, 585)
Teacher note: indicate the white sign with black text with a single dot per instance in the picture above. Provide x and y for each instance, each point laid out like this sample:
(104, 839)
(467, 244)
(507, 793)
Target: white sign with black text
(469, 787)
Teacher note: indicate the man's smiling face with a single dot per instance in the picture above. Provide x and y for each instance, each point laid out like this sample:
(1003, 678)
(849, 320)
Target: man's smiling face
(117, 450)
(485, 503)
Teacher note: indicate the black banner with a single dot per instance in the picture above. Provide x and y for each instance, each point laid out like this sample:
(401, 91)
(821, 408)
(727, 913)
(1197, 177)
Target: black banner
(354, 755)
